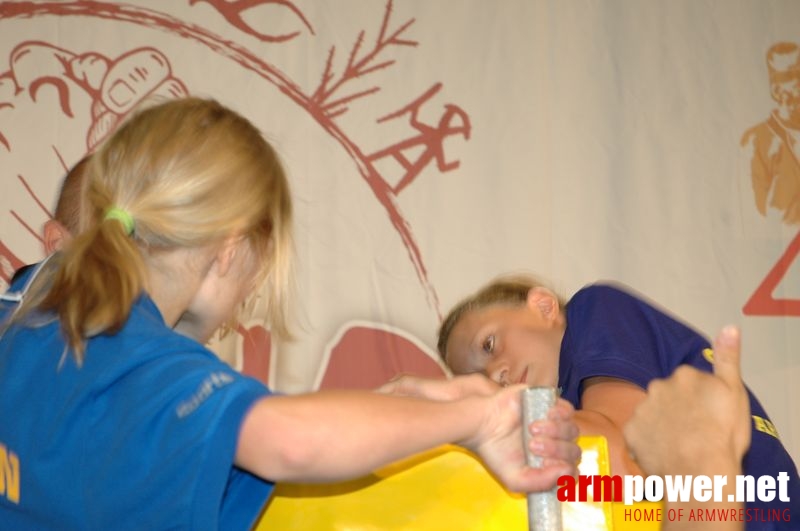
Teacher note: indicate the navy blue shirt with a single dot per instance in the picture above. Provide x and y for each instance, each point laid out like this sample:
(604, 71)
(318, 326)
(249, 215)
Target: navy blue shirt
(612, 333)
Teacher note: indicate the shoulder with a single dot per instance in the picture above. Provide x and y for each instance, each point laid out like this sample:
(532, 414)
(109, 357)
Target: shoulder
(169, 375)
(611, 302)
(603, 293)
(20, 281)
(149, 354)
(21, 274)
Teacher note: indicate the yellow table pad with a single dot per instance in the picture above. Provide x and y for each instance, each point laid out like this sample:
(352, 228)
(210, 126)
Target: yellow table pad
(440, 490)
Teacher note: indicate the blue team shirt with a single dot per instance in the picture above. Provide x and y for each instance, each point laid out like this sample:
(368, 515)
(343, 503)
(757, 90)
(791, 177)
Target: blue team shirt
(613, 333)
(141, 436)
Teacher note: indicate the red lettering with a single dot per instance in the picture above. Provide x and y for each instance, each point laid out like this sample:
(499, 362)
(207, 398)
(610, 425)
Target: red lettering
(584, 482)
(603, 491)
(566, 489)
(604, 488)
(642, 515)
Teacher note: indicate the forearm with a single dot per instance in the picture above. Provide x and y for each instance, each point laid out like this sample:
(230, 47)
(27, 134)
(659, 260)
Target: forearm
(341, 434)
(594, 423)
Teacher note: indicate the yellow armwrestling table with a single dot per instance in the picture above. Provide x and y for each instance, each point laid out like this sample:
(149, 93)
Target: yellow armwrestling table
(445, 489)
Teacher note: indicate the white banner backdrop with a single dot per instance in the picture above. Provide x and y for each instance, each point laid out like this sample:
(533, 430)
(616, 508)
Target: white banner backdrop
(434, 145)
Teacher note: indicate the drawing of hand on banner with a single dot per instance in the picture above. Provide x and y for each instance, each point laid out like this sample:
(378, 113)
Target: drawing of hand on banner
(77, 98)
(49, 88)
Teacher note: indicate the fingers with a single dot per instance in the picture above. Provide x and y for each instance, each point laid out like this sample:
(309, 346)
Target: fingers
(34, 60)
(540, 479)
(408, 385)
(442, 389)
(713, 407)
(561, 410)
(399, 385)
(559, 423)
(556, 451)
(727, 356)
(133, 76)
(478, 384)
(564, 429)
(553, 438)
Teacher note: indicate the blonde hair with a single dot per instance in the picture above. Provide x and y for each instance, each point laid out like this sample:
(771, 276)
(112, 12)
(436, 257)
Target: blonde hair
(507, 289)
(190, 172)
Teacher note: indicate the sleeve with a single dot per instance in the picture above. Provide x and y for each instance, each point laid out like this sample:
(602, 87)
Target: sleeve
(616, 334)
(182, 412)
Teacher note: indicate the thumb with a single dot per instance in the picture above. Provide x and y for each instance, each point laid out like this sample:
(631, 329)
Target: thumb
(727, 356)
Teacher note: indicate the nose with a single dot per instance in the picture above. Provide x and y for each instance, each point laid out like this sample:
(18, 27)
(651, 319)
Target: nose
(498, 372)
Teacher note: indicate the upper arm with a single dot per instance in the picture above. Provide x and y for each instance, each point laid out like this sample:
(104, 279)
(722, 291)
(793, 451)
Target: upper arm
(614, 398)
(606, 406)
(260, 443)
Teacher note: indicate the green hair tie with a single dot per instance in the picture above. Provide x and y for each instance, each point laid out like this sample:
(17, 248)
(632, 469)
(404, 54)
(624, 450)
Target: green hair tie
(123, 216)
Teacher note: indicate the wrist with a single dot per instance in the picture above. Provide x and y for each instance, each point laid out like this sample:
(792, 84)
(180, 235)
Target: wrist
(477, 414)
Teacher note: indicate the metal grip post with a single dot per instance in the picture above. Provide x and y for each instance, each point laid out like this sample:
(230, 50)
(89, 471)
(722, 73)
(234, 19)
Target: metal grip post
(544, 509)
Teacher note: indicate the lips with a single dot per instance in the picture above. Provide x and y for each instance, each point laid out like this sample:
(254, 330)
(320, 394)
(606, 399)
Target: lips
(524, 378)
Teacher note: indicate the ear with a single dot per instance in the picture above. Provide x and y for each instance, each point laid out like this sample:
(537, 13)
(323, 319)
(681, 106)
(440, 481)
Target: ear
(226, 254)
(544, 301)
(55, 236)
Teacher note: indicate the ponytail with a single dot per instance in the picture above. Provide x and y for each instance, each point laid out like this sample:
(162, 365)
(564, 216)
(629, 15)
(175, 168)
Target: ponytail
(101, 276)
(184, 173)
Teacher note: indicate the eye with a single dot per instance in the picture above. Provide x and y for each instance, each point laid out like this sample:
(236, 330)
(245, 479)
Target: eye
(488, 344)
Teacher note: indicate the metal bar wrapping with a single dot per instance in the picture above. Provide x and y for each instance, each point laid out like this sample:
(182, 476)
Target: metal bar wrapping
(544, 509)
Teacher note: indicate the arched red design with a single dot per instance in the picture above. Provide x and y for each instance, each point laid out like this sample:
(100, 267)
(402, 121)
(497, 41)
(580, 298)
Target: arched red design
(324, 104)
(367, 357)
(256, 351)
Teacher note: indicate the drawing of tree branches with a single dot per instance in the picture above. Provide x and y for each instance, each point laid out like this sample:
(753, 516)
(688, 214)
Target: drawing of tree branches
(359, 64)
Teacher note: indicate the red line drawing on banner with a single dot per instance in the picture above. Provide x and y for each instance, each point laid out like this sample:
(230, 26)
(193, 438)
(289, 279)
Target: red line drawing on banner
(113, 86)
(432, 137)
(319, 108)
(256, 351)
(774, 147)
(357, 68)
(149, 72)
(41, 206)
(762, 302)
(233, 11)
(8, 262)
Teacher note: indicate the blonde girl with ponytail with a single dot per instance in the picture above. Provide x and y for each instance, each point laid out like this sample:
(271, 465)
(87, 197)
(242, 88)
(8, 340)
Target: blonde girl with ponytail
(111, 419)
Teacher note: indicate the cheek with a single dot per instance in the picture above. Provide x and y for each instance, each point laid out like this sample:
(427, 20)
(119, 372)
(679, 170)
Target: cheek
(458, 363)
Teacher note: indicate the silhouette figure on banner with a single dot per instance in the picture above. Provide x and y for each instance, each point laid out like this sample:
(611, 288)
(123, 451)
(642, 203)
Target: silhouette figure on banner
(775, 142)
(774, 149)
(430, 138)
